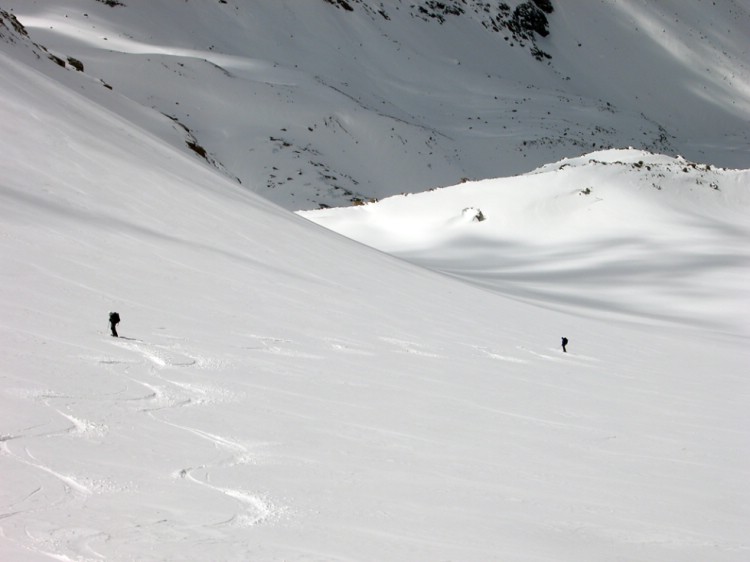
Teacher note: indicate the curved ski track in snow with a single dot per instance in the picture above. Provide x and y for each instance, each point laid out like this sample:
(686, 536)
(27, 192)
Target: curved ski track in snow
(254, 509)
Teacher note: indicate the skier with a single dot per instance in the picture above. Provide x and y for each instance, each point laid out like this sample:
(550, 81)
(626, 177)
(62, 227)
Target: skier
(114, 319)
(564, 343)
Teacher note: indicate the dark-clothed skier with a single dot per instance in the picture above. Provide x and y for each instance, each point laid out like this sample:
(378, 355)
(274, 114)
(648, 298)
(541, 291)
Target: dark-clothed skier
(564, 343)
(114, 319)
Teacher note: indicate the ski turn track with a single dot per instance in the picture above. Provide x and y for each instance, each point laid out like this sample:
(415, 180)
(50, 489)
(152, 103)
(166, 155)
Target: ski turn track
(254, 508)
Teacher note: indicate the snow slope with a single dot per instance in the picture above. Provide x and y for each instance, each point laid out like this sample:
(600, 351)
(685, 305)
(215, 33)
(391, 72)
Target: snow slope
(311, 104)
(283, 393)
(615, 233)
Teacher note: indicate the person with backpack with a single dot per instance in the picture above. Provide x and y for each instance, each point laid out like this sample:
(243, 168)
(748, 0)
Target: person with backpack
(114, 320)
(564, 343)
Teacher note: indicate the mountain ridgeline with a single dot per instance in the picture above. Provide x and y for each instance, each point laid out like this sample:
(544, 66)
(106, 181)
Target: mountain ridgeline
(334, 102)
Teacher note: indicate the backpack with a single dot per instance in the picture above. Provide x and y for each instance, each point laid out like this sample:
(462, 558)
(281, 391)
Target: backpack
(114, 318)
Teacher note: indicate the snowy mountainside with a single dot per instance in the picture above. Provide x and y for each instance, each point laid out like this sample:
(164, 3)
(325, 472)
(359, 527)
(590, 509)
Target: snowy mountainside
(280, 392)
(324, 103)
(647, 235)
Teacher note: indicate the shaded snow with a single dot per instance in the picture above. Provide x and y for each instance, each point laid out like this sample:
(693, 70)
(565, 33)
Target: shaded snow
(619, 233)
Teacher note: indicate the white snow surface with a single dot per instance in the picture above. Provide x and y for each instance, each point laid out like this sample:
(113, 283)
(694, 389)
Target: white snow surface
(617, 233)
(320, 105)
(281, 392)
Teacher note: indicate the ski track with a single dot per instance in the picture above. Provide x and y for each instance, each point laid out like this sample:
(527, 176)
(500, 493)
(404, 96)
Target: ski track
(187, 393)
(165, 392)
(175, 394)
(158, 398)
(74, 543)
(85, 428)
(163, 356)
(255, 509)
(240, 454)
(493, 355)
(75, 539)
(285, 352)
(344, 346)
(272, 344)
(70, 483)
(560, 356)
(406, 346)
(53, 542)
(551, 355)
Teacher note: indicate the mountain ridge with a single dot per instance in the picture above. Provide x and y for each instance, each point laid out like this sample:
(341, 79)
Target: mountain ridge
(438, 98)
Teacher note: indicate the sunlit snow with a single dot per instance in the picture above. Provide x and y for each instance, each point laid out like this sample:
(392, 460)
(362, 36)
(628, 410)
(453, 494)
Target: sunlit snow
(282, 392)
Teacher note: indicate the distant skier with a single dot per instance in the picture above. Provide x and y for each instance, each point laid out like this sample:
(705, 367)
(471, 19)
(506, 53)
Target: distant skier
(114, 320)
(564, 343)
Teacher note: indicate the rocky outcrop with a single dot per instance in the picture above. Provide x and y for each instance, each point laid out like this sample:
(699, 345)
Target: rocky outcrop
(522, 24)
